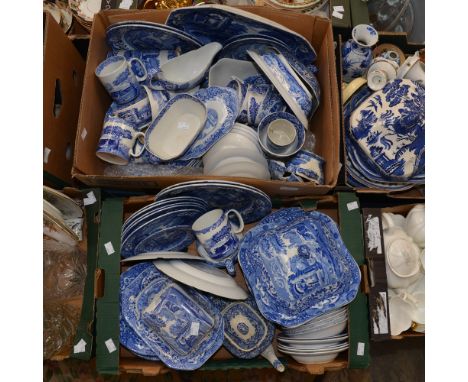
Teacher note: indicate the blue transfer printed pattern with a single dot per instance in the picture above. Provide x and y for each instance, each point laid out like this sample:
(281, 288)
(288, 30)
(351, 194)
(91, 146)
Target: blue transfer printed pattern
(208, 24)
(355, 60)
(252, 203)
(128, 337)
(216, 125)
(179, 324)
(297, 266)
(143, 35)
(390, 129)
(246, 333)
(159, 234)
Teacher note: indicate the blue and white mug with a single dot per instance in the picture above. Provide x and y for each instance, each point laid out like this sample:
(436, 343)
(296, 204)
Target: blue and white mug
(138, 112)
(118, 141)
(218, 238)
(117, 76)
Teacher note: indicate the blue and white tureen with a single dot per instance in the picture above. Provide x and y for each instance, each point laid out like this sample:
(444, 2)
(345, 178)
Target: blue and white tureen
(297, 266)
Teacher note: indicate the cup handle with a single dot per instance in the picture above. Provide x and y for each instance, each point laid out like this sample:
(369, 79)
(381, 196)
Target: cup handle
(135, 138)
(143, 69)
(239, 217)
(229, 264)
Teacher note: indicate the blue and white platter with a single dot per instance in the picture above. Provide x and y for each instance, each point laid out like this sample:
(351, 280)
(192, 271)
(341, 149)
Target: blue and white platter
(222, 109)
(145, 35)
(252, 203)
(179, 324)
(237, 47)
(128, 337)
(171, 231)
(297, 266)
(213, 22)
(389, 127)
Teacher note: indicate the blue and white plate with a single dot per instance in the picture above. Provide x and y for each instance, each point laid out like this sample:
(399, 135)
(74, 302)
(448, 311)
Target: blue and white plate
(220, 23)
(389, 127)
(362, 172)
(222, 109)
(297, 266)
(159, 209)
(170, 231)
(145, 35)
(252, 203)
(128, 337)
(179, 324)
(288, 84)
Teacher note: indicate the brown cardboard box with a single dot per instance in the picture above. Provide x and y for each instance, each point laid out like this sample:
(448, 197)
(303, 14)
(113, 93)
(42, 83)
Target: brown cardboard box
(399, 39)
(222, 359)
(95, 101)
(63, 81)
(378, 267)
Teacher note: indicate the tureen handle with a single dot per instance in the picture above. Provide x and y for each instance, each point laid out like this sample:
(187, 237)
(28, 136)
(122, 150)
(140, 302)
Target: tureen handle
(270, 355)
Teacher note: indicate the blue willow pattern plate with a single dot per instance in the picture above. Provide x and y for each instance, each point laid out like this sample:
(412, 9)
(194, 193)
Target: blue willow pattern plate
(361, 170)
(210, 23)
(179, 324)
(128, 337)
(390, 128)
(222, 109)
(252, 203)
(168, 232)
(297, 266)
(144, 35)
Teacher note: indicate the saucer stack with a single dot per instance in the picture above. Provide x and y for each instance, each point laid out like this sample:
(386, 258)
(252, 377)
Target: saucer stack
(319, 340)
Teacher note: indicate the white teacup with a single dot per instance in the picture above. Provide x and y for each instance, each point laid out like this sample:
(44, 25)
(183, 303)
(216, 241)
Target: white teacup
(415, 224)
(402, 258)
(393, 220)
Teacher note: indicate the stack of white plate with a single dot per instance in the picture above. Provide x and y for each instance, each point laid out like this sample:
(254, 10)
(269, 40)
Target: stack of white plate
(238, 153)
(319, 340)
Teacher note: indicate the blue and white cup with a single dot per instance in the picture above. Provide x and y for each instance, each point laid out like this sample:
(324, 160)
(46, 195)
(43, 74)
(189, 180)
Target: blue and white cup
(117, 76)
(307, 165)
(218, 237)
(138, 112)
(278, 171)
(118, 141)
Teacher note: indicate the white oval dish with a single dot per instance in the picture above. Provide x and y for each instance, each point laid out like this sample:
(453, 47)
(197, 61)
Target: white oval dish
(176, 127)
(221, 73)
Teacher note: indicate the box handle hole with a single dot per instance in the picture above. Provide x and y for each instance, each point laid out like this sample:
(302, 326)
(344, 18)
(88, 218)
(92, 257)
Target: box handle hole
(68, 151)
(57, 98)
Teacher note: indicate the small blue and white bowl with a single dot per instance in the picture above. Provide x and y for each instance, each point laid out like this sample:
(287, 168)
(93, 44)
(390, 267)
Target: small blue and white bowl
(281, 134)
(307, 165)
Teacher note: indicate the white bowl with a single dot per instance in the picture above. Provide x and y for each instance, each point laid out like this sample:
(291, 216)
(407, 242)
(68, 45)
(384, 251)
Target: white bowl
(176, 127)
(213, 158)
(307, 347)
(323, 333)
(415, 224)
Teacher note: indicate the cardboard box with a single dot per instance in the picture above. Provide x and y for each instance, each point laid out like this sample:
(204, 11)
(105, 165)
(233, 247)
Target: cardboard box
(398, 39)
(377, 276)
(85, 302)
(63, 81)
(115, 211)
(95, 101)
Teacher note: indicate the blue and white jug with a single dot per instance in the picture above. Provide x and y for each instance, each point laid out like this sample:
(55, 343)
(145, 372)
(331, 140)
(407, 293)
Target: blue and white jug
(357, 52)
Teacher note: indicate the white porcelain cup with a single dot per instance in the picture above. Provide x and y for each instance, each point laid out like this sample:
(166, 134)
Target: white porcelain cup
(218, 235)
(393, 220)
(402, 258)
(415, 224)
(376, 79)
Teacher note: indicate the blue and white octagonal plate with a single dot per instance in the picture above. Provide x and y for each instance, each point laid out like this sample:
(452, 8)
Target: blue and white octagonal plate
(179, 324)
(297, 266)
(145, 35)
(128, 337)
(222, 109)
(252, 203)
(214, 22)
(390, 128)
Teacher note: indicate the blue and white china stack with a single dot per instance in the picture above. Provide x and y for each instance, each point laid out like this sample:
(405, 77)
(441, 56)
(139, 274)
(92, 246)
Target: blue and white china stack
(404, 240)
(179, 308)
(188, 89)
(384, 124)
